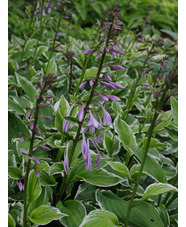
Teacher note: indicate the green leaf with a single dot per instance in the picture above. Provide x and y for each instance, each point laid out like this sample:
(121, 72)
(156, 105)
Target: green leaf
(56, 168)
(152, 167)
(111, 144)
(42, 49)
(71, 119)
(120, 167)
(174, 107)
(27, 87)
(144, 214)
(174, 35)
(30, 43)
(164, 214)
(74, 98)
(62, 105)
(157, 189)
(90, 73)
(46, 179)
(13, 106)
(100, 178)
(124, 132)
(34, 187)
(14, 173)
(45, 214)
(11, 221)
(52, 67)
(76, 211)
(100, 218)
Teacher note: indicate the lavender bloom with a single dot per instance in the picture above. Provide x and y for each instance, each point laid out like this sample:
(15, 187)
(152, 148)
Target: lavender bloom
(20, 185)
(88, 159)
(98, 139)
(44, 147)
(103, 29)
(107, 120)
(23, 150)
(38, 131)
(27, 115)
(66, 161)
(117, 67)
(84, 147)
(37, 173)
(104, 97)
(89, 51)
(40, 84)
(97, 56)
(37, 161)
(43, 13)
(65, 122)
(49, 96)
(21, 139)
(108, 77)
(120, 23)
(98, 156)
(49, 10)
(92, 124)
(81, 113)
(120, 52)
(91, 82)
(119, 45)
(112, 53)
(113, 97)
(108, 85)
(68, 27)
(50, 22)
(117, 85)
(32, 126)
(82, 85)
(48, 117)
(107, 49)
(105, 38)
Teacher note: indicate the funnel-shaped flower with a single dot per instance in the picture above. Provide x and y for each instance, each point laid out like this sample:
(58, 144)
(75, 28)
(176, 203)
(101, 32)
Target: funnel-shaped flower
(88, 162)
(66, 161)
(20, 185)
(84, 147)
(81, 113)
(107, 120)
(66, 124)
(92, 124)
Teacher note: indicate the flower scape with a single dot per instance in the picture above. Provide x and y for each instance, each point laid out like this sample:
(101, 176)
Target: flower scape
(93, 113)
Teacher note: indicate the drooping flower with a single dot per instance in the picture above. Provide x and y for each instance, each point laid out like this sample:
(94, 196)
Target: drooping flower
(92, 124)
(107, 120)
(108, 77)
(113, 97)
(37, 160)
(82, 85)
(89, 51)
(48, 117)
(117, 67)
(84, 147)
(37, 173)
(91, 82)
(104, 97)
(66, 161)
(23, 150)
(108, 85)
(88, 162)
(81, 113)
(66, 123)
(117, 85)
(20, 185)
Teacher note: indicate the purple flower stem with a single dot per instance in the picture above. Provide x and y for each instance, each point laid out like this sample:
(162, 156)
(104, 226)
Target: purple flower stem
(71, 153)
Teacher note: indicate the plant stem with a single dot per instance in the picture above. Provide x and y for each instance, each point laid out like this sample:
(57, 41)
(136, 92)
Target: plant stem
(29, 160)
(63, 185)
(70, 79)
(150, 131)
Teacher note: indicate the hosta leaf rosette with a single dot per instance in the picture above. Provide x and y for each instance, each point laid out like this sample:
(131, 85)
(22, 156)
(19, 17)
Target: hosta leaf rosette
(45, 214)
(100, 218)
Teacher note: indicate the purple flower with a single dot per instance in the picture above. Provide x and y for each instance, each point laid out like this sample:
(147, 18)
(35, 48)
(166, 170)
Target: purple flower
(65, 122)
(48, 117)
(119, 45)
(117, 67)
(107, 120)
(98, 139)
(42, 105)
(44, 147)
(92, 124)
(50, 22)
(113, 97)
(112, 53)
(107, 49)
(27, 115)
(104, 97)
(84, 147)
(32, 126)
(107, 23)
(40, 84)
(20, 185)
(82, 85)
(66, 161)
(21, 139)
(103, 29)
(49, 10)
(88, 158)
(91, 82)
(49, 96)
(105, 38)
(23, 150)
(97, 56)
(117, 85)
(108, 85)
(120, 52)
(37, 173)
(89, 51)
(108, 77)
(81, 113)
(68, 27)
(43, 13)
(38, 131)
(37, 161)
(120, 23)
(116, 27)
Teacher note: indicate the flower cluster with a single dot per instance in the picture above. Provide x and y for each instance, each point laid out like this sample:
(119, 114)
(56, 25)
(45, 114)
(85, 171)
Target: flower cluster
(92, 127)
(32, 116)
